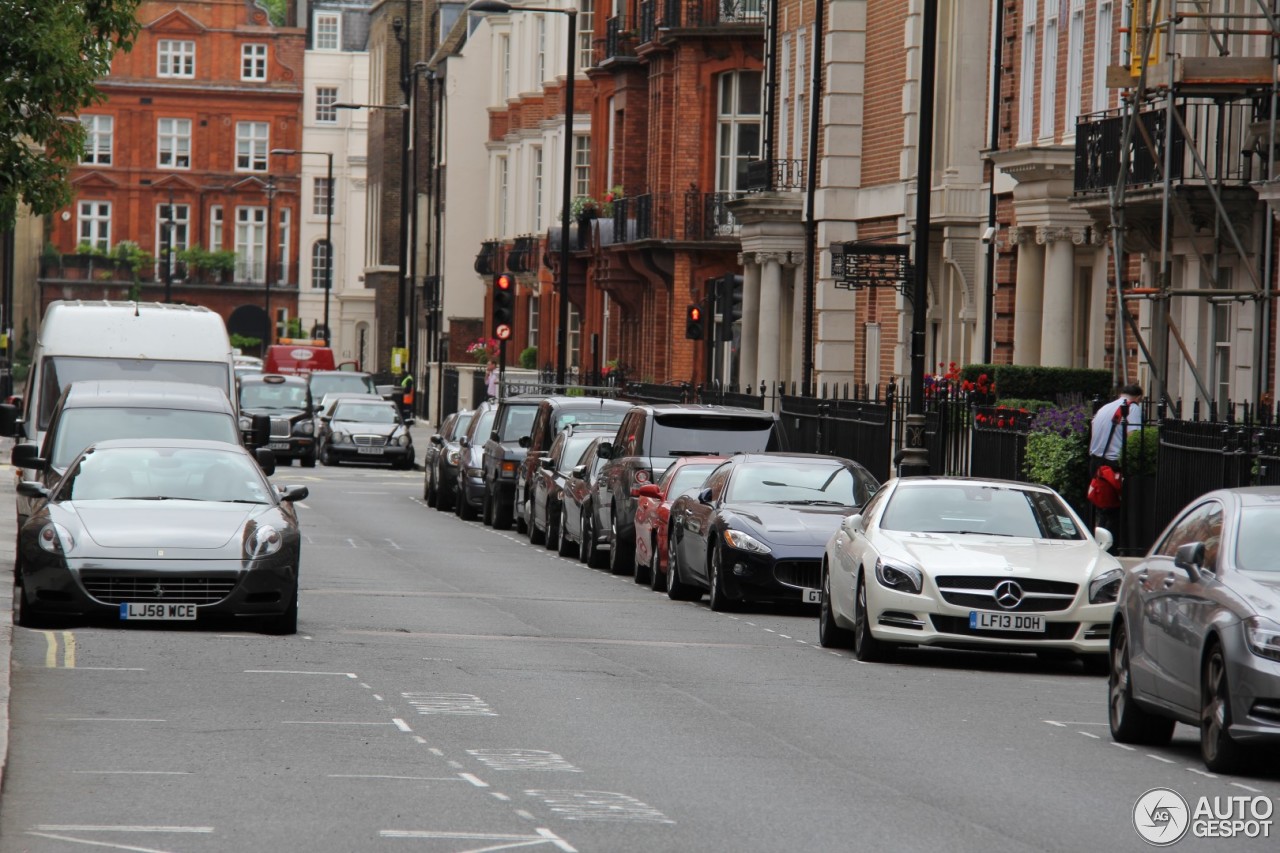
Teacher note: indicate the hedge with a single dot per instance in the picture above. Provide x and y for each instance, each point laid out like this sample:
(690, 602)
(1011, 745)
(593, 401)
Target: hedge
(1042, 383)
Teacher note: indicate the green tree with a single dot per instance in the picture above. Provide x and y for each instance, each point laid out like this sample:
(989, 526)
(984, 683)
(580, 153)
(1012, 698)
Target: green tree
(277, 10)
(54, 52)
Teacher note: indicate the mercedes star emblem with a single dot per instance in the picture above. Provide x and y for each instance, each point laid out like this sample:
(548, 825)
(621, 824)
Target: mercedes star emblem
(1008, 594)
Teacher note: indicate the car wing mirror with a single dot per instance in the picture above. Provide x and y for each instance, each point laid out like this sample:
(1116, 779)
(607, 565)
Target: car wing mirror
(854, 524)
(524, 442)
(604, 450)
(32, 489)
(261, 430)
(8, 419)
(462, 442)
(1104, 538)
(547, 464)
(648, 490)
(293, 493)
(579, 473)
(1189, 558)
(704, 496)
(266, 460)
(27, 455)
(437, 439)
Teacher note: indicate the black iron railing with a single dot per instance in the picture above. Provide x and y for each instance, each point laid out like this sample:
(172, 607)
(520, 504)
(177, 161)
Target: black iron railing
(777, 175)
(523, 255)
(707, 216)
(646, 21)
(489, 259)
(619, 42)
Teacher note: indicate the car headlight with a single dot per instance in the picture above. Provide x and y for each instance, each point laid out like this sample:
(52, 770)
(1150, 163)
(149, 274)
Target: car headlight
(246, 423)
(304, 427)
(340, 438)
(55, 539)
(1263, 637)
(899, 577)
(475, 473)
(1105, 587)
(744, 541)
(404, 440)
(454, 457)
(262, 542)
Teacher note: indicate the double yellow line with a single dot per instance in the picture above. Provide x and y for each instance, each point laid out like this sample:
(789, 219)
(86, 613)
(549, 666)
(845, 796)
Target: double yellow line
(68, 650)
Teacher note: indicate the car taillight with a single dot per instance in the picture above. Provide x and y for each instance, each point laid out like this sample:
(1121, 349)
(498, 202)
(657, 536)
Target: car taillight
(642, 476)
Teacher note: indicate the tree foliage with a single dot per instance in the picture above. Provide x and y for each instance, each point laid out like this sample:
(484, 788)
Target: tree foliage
(52, 54)
(277, 10)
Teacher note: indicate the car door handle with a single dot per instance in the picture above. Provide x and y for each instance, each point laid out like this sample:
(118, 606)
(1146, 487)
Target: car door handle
(1144, 577)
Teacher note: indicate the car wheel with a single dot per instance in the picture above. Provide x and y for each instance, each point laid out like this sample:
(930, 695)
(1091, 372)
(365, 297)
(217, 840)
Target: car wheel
(564, 545)
(486, 509)
(1096, 664)
(644, 571)
(1130, 723)
(866, 647)
(286, 623)
(23, 614)
(553, 533)
(657, 579)
(502, 515)
(308, 461)
(537, 535)
(1219, 752)
(444, 499)
(621, 554)
(466, 511)
(596, 559)
(585, 543)
(830, 634)
(428, 493)
(677, 590)
(718, 598)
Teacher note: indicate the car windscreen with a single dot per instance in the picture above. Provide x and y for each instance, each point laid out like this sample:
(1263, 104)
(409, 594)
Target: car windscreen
(1256, 540)
(517, 422)
(61, 370)
(365, 413)
(710, 435)
(593, 417)
(165, 473)
(980, 509)
(266, 395)
(338, 383)
(686, 477)
(800, 484)
(79, 428)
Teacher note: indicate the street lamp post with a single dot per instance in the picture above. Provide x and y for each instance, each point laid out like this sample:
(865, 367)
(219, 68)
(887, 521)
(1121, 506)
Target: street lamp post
(328, 230)
(168, 251)
(270, 191)
(501, 7)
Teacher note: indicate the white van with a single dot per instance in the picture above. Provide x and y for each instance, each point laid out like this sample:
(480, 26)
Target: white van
(123, 340)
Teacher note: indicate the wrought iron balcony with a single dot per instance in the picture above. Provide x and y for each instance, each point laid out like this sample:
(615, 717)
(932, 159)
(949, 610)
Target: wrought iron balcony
(775, 175)
(646, 24)
(670, 216)
(523, 256)
(489, 260)
(642, 217)
(619, 42)
(710, 13)
(708, 218)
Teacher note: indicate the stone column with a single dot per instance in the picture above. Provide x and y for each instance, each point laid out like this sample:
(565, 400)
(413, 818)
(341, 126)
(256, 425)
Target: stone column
(1058, 320)
(1029, 296)
(748, 371)
(769, 349)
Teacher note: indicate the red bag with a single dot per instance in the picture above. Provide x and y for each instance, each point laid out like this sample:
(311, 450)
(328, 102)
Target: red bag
(1104, 488)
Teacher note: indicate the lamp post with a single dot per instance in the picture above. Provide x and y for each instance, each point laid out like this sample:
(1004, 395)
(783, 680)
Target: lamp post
(328, 230)
(168, 251)
(270, 191)
(501, 7)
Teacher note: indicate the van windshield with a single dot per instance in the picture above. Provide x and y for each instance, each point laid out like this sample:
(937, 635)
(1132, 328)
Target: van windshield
(79, 428)
(61, 370)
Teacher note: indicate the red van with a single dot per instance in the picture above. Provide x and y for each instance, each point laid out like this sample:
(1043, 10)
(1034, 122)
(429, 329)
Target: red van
(297, 357)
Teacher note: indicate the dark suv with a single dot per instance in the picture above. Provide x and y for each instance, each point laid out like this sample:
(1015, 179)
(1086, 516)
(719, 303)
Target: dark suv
(553, 416)
(649, 438)
(503, 453)
(287, 401)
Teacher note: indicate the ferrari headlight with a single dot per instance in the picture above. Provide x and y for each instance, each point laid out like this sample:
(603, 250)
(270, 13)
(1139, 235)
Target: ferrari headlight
(1105, 587)
(55, 539)
(744, 541)
(341, 438)
(454, 457)
(404, 440)
(263, 541)
(304, 427)
(899, 577)
(1263, 637)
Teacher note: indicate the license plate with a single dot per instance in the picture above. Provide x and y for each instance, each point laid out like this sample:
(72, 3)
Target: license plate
(371, 451)
(154, 611)
(811, 596)
(278, 445)
(980, 620)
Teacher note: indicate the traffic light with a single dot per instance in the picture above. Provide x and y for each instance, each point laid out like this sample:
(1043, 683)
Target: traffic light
(504, 306)
(731, 299)
(693, 323)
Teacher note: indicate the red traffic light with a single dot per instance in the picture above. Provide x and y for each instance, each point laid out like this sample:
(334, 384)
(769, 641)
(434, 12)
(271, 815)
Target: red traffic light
(502, 332)
(695, 314)
(503, 282)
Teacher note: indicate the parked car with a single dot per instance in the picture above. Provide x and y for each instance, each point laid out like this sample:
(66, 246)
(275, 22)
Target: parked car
(577, 527)
(470, 489)
(440, 461)
(90, 411)
(287, 401)
(553, 415)
(504, 451)
(548, 484)
(653, 513)
(649, 438)
(229, 539)
(955, 561)
(1196, 636)
(757, 528)
(363, 430)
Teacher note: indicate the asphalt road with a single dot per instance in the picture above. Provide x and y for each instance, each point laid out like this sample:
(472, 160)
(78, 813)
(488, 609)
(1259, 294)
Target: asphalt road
(452, 688)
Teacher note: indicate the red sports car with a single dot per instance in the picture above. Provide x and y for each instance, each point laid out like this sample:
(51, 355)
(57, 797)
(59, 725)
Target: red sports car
(653, 508)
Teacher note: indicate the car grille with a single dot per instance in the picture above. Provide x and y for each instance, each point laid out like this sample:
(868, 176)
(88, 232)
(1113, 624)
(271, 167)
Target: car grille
(370, 440)
(1038, 596)
(197, 589)
(960, 625)
(806, 574)
(280, 428)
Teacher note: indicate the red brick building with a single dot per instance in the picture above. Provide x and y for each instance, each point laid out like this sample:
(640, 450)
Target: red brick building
(179, 156)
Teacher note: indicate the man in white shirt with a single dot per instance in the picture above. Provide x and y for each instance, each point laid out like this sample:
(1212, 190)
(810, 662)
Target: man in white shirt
(1111, 426)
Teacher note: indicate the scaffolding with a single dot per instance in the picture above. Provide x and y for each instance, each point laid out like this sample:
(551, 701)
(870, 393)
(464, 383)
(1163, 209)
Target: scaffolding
(1188, 156)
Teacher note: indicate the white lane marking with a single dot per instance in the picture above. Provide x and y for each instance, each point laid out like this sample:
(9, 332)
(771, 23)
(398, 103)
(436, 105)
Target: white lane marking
(420, 739)
(108, 844)
(365, 686)
(111, 668)
(84, 827)
(394, 545)
(802, 642)
(1247, 787)
(784, 636)
(1158, 758)
(522, 759)
(465, 704)
(1088, 734)
(402, 725)
(1205, 773)
(303, 506)
(456, 765)
(377, 698)
(500, 796)
(402, 778)
(524, 814)
(352, 543)
(544, 836)
(1066, 723)
(557, 840)
(134, 772)
(598, 805)
(474, 780)
(435, 751)
(770, 630)
(105, 720)
(297, 672)
(1123, 746)
(328, 723)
